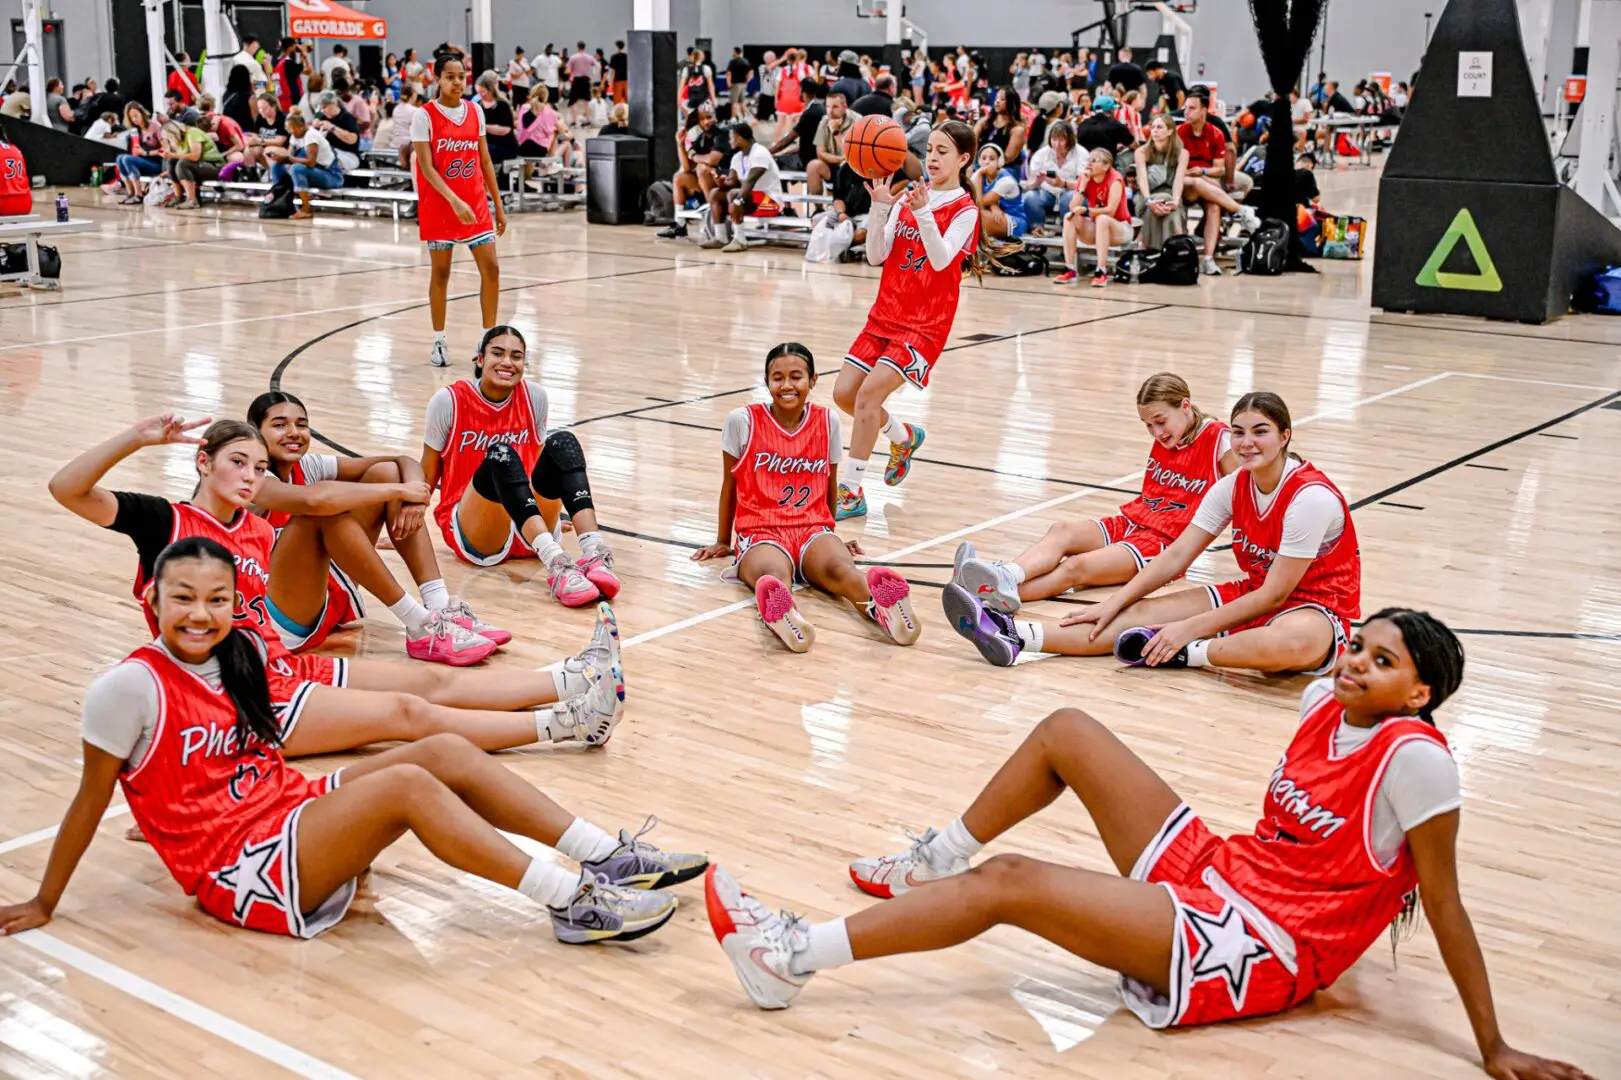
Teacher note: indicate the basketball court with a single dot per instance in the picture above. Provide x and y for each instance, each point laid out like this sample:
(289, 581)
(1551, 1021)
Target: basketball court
(1480, 459)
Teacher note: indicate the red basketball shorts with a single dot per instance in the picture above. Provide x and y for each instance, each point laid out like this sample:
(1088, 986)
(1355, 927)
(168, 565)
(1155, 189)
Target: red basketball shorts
(343, 605)
(913, 357)
(1224, 966)
(293, 678)
(258, 888)
(1143, 543)
(792, 542)
(1228, 591)
(763, 205)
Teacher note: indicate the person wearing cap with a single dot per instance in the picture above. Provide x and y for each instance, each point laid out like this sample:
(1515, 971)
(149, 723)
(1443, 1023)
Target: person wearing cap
(1102, 130)
(1049, 109)
(850, 83)
(196, 157)
(752, 187)
(702, 157)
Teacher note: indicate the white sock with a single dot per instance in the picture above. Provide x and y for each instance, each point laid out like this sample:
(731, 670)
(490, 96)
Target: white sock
(567, 683)
(546, 547)
(553, 724)
(592, 543)
(435, 597)
(585, 842)
(955, 843)
(1030, 633)
(438, 337)
(893, 429)
(547, 883)
(829, 946)
(1199, 653)
(850, 472)
(412, 614)
(1016, 572)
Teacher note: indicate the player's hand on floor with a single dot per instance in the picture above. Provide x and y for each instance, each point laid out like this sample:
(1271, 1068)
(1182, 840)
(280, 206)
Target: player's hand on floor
(713, 551)
(1511, 1064)
(855, 547)
(15, 918)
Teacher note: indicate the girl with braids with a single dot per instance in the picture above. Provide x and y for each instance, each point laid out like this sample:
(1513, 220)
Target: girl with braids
(329, 510)
(186, 728)
(329, 703)
(1362, 808)
(1191, 452)
(776, 463)
(920, 236)
(503, 479)
(1291, 612)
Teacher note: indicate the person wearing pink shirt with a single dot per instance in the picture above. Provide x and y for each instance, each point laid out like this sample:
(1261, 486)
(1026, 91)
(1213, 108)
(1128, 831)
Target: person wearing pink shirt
(580, 66)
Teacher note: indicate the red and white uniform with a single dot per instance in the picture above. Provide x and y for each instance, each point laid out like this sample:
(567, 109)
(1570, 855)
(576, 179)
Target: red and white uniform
(344, 603)
(1266, 920)
(475, 423)
(917, 303)
(783, 479)
(1173, 483)
(16, 197)
(456, 157)
(222, 817)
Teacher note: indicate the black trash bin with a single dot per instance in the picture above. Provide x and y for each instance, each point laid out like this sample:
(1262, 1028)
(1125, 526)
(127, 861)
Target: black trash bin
(616, 174)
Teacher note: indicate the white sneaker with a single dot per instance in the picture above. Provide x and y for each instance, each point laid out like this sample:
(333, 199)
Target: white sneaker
(965, 551)
(760, 944)
(991, 582)
(592, 716)
(1249, 217)
(888, 876)
(439, 355)
(1208, 267)
(737, 244)
(711, 242)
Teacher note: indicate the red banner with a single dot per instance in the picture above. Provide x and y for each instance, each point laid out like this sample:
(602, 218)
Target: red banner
(326, 19)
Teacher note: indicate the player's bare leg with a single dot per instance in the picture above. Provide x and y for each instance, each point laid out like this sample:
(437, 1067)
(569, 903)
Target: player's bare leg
(298, 569)
(770, 573)
(489, 284)
(878, 592)
(334, 720)
(438, 291)
(1295, 641)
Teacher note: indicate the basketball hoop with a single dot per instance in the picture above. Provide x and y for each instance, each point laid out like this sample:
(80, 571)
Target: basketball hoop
(872, 9)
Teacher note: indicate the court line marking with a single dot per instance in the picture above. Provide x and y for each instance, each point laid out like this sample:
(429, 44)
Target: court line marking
(182, 1008)
(50, 831)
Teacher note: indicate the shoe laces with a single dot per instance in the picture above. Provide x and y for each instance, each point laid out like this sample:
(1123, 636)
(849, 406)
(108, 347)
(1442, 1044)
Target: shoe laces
(566, 571)
(602, 893)
(636, 848)
(460, 610)
(440, 625)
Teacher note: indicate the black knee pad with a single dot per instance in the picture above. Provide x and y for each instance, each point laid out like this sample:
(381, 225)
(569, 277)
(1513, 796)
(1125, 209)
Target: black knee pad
(501, 479)
(560, 472)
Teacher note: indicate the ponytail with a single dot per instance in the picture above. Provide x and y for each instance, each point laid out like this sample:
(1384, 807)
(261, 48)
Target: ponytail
(242, 677)
(967, 143)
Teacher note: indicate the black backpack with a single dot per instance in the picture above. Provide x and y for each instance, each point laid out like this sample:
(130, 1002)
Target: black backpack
(1178, 263)
(278, 202)
(1024, 262)
(14, 260)
(1267, 249)
(658, 204)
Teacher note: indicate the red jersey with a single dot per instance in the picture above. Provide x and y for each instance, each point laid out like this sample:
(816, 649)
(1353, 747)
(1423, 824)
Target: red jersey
(476, 424)
(782, 476)
(457, 160)
(1204, 149)
(1175, 481)
(1098, 193)
(1334, 579)
(196, 794)
(1310, 866)
(16, 197)
(916, 301)
(249, 539)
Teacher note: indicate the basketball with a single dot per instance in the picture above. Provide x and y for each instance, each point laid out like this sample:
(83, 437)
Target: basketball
(875, 147)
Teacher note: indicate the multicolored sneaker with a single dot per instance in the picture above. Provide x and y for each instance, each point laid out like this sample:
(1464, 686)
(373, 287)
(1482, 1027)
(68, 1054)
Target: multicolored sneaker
(459, 613)
(592, 716)
(1132, 643)
(598, 570)
(776, 603)
(1068, 277)
(760, 944)
(602, 654)
(600, 911)
(635, 865)
(992, 582)
(439, 354)
(851, 504)
(990, 631)
(569, 583)
(441, 641)
(900, 455)
(888, 876)
(891, 606)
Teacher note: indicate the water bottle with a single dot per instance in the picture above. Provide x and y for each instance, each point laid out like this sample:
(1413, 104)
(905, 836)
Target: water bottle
(61, 206)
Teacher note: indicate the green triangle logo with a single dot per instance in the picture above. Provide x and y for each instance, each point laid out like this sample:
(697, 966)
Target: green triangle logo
(1462, 228)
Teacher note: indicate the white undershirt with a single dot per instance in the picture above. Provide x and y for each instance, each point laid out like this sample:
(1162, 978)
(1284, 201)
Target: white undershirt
(319, 467)
(121, 707)
(442, 413)
(1312, 524)
(422, 125)
(943, 249)
(739, 428)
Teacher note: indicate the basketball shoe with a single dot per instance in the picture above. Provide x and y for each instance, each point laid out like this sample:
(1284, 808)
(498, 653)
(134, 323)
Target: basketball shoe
(592, 716)
(439, 355)
(900, 455)
(760, 944)
(990, 631)
(851, 504)
(569, 583)
(602, 654)
(459, 613)
(992, 582)
(600, 911)
(637, 865)
(776, 603)
(1132, 643)
(598, 568)
(891, 605)
(888, 876)
(964, 552)
(443, 641)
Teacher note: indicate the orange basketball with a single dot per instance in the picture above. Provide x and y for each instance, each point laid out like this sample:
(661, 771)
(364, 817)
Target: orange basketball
(875, 147)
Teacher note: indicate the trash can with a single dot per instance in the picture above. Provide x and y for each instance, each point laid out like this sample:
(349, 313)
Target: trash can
(616, 174)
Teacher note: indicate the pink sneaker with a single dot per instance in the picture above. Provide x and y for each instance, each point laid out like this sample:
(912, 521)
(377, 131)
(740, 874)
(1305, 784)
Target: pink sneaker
(459, 613)
(569, 583)
(891, 606)
(444, 642)
(598, 570)
(776, 604)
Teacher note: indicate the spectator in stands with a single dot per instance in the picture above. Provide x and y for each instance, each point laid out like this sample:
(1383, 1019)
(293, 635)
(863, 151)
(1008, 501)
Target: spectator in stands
(738, 71)
(1101, 220)
(498, 118)
(541, 133)
(851, 202)
(314, 87)
(619, 64)
(829, 142)
(1126, 75)
(358, 107)
(58, 113)
(1101, 130)
(410, 67)
(1003, 126)
(1130, 113)
(580, 66)
(403, 111)
(765, 102)
(618, 120)
(1164, 83)
(801, 135)
(142, 160)
(227, 135)
(1019, 74)
(1400, 95)
(1049, 110)
(1162, 165)
(1001, 208)
(17, 104)
(1206, 172)
(290, 73)
(341, 130)
(1334, 101)
(597, 115)
(918, 76)
(269, 128)
(181, 81)
(849, 83)
(104, 128)
(701, 159)
(238, 101)
(336, 64)
(307, 162)
(1055, 169)
(520, 75)
(880, 101)
(1080, 98)
(751, 187)
(1300, 112)
(196, 158)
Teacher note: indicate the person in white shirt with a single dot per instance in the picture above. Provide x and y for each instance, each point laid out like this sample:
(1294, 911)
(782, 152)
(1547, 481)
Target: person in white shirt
(338, 61)
(1300, 111)
(102, 129)
(1054, 170)
(548, 66)
(752, 187)
(1038, 63)
(306, 162)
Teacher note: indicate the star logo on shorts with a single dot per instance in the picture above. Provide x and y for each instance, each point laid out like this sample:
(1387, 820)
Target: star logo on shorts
(249, 878)
(1226, 950)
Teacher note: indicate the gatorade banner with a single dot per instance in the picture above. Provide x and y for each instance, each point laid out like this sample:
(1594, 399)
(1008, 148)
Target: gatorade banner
(326, 19)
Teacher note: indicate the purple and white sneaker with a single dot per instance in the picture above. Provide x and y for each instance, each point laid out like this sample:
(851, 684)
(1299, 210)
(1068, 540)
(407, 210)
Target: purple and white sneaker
(1132, 643)
(599, 911)
(637, 865)
(990, 631)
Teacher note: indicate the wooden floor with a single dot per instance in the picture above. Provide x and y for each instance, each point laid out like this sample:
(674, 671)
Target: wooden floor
(1483, 461)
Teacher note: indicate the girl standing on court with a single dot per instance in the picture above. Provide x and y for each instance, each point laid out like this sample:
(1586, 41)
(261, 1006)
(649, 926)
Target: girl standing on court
(328, 704)
(455, 180)
(920, 237)
(328, 512)
(502, 478)
(776, 463)
(1362, 810)
(186, 728)
(1191, 452)
(1291, 612)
